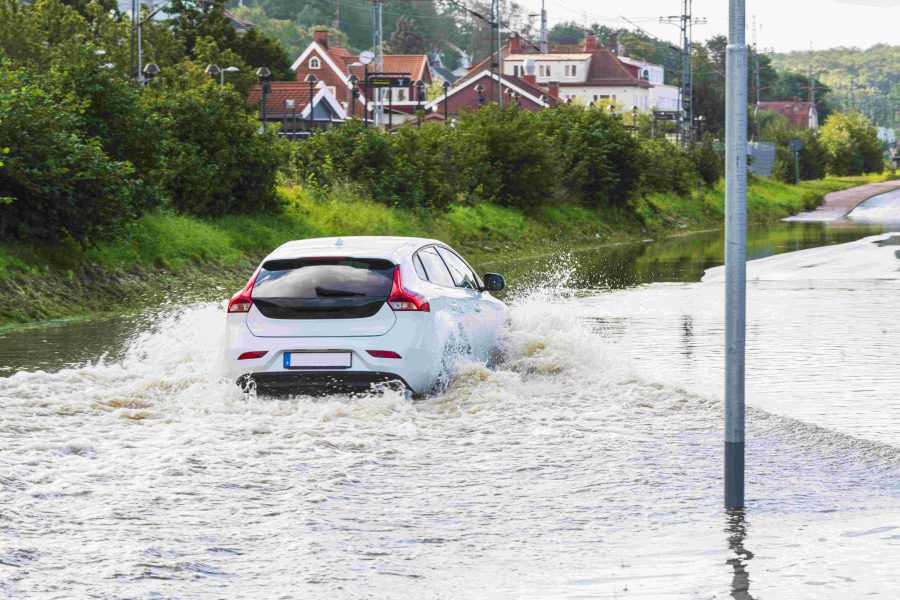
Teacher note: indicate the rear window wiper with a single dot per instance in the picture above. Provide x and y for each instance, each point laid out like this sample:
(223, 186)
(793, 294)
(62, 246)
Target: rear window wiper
(320, 291)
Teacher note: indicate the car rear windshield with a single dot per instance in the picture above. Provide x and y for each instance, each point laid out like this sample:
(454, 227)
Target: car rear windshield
(320, 288)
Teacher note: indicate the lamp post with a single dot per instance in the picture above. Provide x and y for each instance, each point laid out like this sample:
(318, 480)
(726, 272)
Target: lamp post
(701, 121)
(479, 89)
(420, 97)
(446, 98)
(311, 80)
(151, 70)
(263, 73)
(291, 104)
(226, 70)
(352, 93)
(212, 70)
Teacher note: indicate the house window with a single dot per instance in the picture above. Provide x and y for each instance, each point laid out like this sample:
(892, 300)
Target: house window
(544, 71)
(570, 70)
(314, 63)
(518, 71)
(401, 94)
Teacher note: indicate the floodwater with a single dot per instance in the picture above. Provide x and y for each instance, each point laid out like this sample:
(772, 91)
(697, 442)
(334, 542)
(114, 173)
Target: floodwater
(588, 465)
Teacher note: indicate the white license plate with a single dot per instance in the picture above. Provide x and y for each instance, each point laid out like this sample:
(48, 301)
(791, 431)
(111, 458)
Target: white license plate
(317, 360)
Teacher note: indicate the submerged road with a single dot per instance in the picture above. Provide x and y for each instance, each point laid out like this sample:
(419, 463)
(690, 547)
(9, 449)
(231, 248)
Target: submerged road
(838, 205)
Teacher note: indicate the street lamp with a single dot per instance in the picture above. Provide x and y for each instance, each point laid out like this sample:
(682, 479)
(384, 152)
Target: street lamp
(352, 93)
(479, 89)
(420, 97)
(263, 73)
(151, 70)
(291, 104)
(311, 80)
(212, 70)
(701, 121)
(446, 86)
(226, 70)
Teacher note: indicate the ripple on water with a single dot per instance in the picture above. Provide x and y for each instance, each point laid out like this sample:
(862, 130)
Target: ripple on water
(579, 466)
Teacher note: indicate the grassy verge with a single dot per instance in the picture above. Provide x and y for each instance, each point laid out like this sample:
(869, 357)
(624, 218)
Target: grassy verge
(164, 252)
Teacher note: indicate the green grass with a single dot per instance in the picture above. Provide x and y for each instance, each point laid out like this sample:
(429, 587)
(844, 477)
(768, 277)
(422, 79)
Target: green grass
(42, 282)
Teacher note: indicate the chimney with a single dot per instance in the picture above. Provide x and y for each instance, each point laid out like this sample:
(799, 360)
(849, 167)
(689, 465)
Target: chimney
(614, 42)
(590, 43)
(530, 67)
(515, 44)
(553, 89)
(321, 37)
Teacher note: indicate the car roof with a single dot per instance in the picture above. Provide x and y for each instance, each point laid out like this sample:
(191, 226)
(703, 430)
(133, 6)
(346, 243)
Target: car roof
(392, 248)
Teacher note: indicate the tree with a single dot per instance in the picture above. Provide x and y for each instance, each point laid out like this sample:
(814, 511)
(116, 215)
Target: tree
(406, 38)
(258, 49)
(57, 181)
(213, 160)
(852, 145)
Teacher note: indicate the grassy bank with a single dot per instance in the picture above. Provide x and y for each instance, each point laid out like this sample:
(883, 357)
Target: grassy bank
(165, 253)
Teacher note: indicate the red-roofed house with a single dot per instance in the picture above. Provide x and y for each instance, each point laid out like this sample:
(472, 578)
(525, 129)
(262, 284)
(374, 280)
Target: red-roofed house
(802, 115)
(524, 91)
(334, 64)
(288, 103)
(592, 72)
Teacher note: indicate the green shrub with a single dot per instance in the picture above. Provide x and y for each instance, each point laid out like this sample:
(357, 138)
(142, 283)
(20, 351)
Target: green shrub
(852, 145)
(599, 157)
(665, 167)
(214, 161)
(708, 162)
(56, 180)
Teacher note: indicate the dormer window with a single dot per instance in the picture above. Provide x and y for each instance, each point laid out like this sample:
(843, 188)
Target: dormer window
(544, 70)
(314, 63)
(518, 70)
(571, 70)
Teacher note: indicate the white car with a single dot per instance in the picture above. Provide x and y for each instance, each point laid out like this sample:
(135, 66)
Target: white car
(336, 314)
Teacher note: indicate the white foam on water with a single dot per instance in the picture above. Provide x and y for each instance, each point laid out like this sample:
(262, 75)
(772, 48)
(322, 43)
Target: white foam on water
(567, 470)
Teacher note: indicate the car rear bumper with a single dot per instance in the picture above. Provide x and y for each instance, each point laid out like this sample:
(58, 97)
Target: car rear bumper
(315, 383)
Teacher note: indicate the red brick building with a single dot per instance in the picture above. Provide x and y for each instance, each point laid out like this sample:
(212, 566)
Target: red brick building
(802, 115)
(524, 91)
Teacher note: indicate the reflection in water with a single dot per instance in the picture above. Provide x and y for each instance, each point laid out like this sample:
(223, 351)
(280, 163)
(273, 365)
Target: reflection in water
(687, 335)
(737, 533)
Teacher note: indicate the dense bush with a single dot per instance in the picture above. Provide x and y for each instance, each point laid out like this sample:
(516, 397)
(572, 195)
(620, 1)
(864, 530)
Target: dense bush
(813, 158)
(666, 168)
(213, 160)
(708, 162)
(599, 157)
(852, 145)
(56, 181)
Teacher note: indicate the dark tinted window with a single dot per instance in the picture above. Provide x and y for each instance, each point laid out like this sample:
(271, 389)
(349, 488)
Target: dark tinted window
(435, 268)
(331, 288)
(324, 278)
(462, 275)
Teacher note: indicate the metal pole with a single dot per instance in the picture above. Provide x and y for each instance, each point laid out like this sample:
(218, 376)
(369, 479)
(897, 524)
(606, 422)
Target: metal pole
(735, 251)
(378, 7)
(544, 45)
(140, 64)
(133, 71)
(499, 60)
(446, 98)
(366, 96)
(796, 167)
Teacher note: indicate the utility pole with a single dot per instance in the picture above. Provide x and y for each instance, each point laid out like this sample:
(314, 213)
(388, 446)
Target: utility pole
(686, 23)
(812, 87)
(735, 250)
(544, 45)
(377, 41)
(499, 57)
(756, 86)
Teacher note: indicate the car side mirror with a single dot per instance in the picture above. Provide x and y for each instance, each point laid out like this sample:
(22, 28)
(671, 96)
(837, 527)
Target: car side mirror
(493, 282)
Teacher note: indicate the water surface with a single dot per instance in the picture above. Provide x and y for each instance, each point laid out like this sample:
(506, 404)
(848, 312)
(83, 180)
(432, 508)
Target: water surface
(586, 466)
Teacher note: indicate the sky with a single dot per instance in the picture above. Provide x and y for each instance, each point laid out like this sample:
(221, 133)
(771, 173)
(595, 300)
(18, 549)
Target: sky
(782, 24)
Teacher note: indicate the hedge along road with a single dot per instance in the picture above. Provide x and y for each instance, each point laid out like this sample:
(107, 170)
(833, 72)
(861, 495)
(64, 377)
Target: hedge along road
(141, 472)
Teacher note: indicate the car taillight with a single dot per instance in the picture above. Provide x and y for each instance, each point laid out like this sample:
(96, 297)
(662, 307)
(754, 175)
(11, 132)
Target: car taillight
(254, 354)
(383, 353)
(241, 302)
(405, 300)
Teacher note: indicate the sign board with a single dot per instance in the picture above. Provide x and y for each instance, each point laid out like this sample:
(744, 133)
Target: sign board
(796, 144)
(666, 115)
(381, 81)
